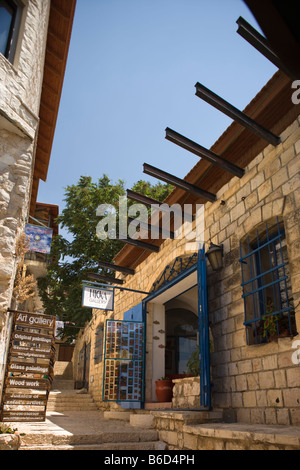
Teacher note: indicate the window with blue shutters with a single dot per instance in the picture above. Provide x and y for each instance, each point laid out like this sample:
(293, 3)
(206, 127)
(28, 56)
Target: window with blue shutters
(267, 294)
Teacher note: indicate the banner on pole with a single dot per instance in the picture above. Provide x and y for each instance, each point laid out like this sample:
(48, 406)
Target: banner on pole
(39, 238)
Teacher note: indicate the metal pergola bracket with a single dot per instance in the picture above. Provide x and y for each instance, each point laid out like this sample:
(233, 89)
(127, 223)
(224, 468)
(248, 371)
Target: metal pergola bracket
(114, 267)
(235, 114)
(140, 244)
(99, 277)
(262, 45)
(175, 181)
(202, 152)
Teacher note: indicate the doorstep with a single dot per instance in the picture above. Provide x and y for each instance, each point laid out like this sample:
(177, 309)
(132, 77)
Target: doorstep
(158, 406)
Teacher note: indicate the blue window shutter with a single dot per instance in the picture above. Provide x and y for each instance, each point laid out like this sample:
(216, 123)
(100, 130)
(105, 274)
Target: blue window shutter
(134, 314)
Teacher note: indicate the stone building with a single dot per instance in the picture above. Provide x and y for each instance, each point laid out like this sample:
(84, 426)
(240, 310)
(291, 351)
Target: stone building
(33, 53)
(248, 333)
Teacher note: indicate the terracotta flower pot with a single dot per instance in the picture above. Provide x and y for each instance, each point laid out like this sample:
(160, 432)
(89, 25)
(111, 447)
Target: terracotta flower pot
(164, 390)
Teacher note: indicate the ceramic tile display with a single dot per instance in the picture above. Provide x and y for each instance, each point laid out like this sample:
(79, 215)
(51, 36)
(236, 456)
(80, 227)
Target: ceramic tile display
(124, 361)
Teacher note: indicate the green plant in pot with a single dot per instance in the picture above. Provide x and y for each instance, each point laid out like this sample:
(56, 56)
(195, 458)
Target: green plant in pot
(270, 322)
(270, 327)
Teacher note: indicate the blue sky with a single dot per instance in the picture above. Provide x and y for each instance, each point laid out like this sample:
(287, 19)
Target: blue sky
(131, 73)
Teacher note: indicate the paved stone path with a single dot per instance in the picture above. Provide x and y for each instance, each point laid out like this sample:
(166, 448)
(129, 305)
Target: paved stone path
(86, 430)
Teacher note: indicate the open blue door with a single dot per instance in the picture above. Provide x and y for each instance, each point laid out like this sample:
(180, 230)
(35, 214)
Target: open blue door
(204, 353)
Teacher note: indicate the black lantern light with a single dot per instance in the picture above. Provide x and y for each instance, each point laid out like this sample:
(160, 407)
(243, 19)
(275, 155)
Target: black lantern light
(215, 256)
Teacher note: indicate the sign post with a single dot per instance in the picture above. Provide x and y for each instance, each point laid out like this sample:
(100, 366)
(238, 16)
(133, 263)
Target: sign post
(29, 369)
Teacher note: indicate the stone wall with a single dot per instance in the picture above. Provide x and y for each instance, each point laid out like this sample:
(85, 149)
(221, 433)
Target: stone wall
(204, 431)
(251, 383)
(186, 393)
(20, 91)
(259, 382)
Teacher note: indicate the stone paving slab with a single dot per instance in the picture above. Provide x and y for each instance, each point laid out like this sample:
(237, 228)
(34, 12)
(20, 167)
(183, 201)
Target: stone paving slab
(277, 435)
(75, 423)
(86, 430)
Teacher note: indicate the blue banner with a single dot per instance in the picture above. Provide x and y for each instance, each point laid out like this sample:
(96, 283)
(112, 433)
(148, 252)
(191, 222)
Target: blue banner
(39, 238)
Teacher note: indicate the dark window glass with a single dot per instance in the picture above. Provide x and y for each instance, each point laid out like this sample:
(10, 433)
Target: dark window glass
(7, 15)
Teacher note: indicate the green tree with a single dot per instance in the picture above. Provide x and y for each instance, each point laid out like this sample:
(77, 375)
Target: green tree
(74, 256)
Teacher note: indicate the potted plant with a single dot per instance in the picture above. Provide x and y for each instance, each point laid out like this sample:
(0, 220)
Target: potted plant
(287, 325)
(270, 327)
(163, 390)
(270, 322)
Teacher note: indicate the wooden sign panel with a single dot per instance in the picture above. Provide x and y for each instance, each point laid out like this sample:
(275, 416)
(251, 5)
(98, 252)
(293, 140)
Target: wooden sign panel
(21, 416)
(32, 338)
(26, 368)
(35, 320)
(29, 370)
(32, 384)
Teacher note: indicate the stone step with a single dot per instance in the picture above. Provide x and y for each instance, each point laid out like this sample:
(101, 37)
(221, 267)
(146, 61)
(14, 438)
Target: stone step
(189, 417)
(64, 398)
(105, 439)
(155, 445)
(62, 384)
(82, 406)
(66, 408)
(70, 402)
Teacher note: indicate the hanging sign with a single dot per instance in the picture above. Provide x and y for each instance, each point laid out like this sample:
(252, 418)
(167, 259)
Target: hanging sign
(97, 297)
(39, 238)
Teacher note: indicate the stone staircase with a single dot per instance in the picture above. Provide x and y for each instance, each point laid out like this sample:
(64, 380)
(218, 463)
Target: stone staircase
(63, 397)
(66, 400)
(74, 423)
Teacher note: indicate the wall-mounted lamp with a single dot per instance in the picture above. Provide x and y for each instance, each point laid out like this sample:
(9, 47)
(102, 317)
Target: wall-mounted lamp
(215, 256)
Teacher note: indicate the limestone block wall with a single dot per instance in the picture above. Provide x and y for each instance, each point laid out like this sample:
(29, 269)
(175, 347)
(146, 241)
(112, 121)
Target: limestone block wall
(259, 383)
(20, 91)
(186, 393)
(251, 383)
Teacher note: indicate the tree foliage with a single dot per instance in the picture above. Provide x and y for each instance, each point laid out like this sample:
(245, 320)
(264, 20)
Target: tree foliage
(73, 256)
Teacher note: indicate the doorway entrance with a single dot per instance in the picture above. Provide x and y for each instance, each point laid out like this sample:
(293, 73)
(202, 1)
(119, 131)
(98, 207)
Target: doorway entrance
(180, 327)
(181, 341)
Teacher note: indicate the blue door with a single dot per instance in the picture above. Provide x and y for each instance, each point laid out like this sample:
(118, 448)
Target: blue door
(204, 353)
(124, 359)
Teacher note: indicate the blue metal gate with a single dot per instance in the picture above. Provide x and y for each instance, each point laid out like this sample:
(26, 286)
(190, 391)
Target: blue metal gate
(204, 350)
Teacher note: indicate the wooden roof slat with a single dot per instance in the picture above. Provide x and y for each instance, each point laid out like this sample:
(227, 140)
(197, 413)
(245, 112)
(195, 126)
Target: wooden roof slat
(57, 47)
